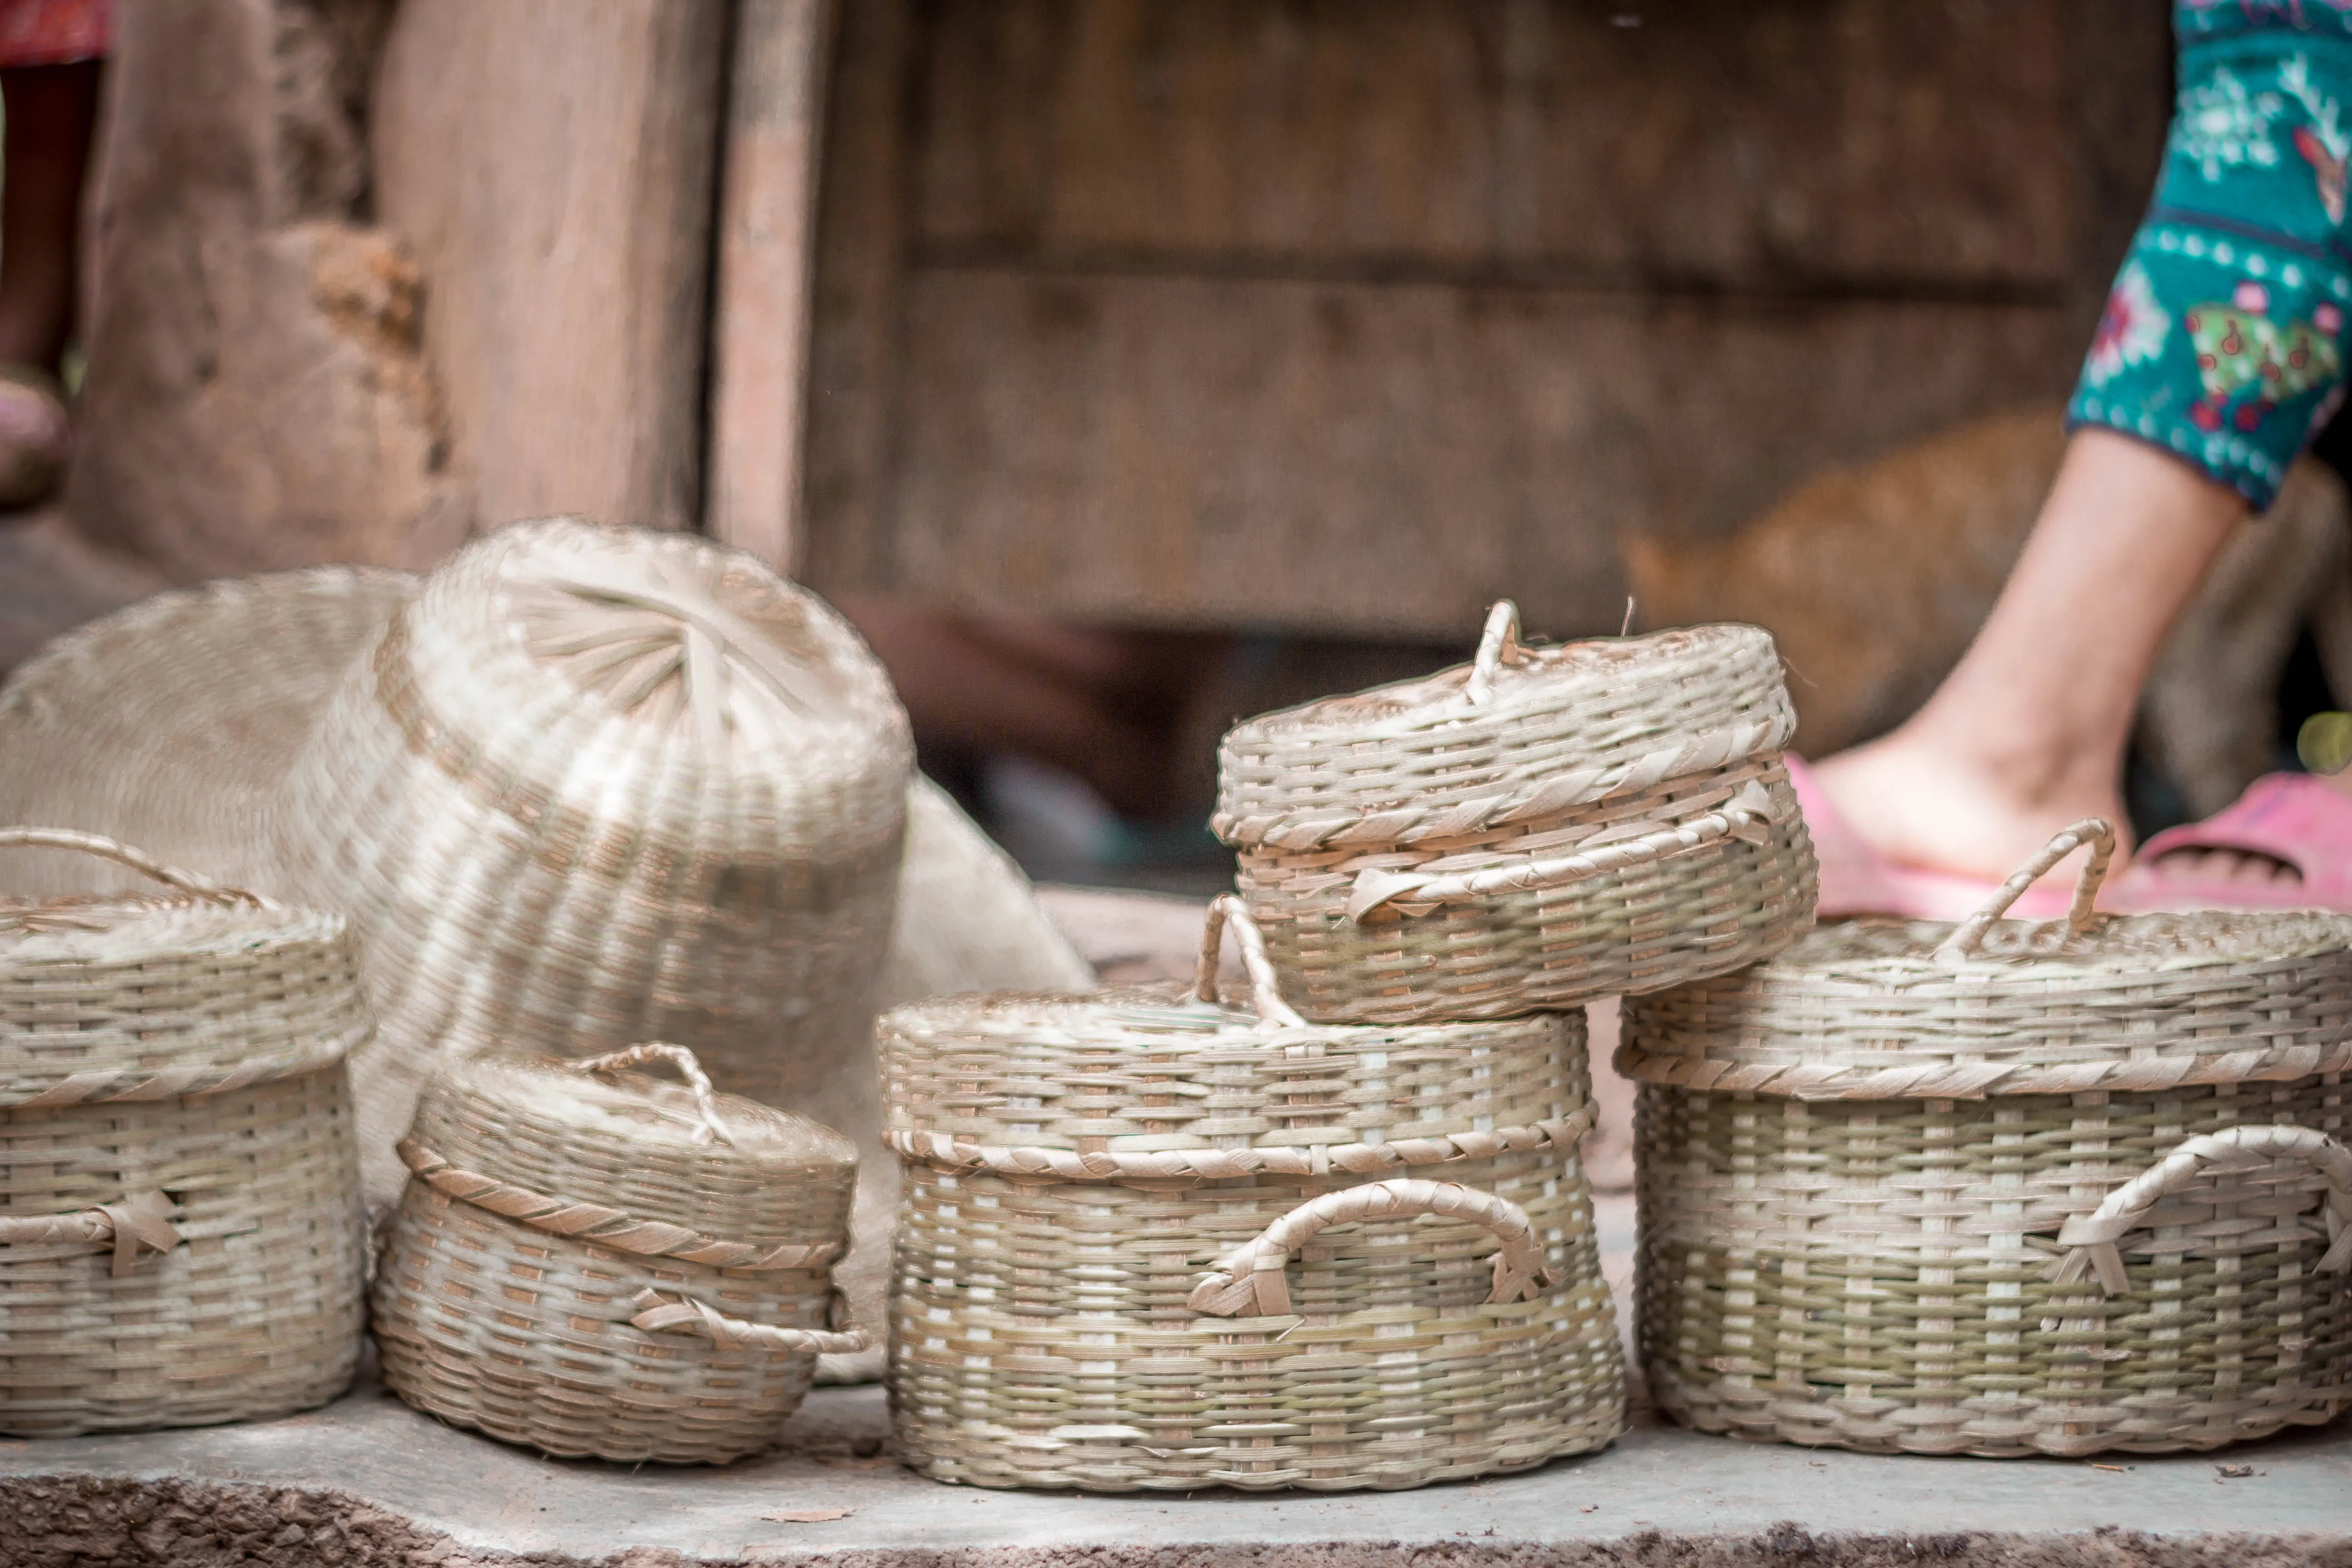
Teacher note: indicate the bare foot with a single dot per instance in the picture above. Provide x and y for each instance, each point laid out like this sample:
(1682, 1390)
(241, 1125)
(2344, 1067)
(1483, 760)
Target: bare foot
(1938, 809)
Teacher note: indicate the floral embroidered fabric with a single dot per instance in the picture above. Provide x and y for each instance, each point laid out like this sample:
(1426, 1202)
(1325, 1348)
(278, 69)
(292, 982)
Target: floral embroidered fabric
(2223, 338)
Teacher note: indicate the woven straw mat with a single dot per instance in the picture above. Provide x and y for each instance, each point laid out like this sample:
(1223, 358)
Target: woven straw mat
(1110, 1274)
(170, 725)
(2002, 1188)
(1536, 828)
(590, 1262)
(600, 785)
(181, 1237)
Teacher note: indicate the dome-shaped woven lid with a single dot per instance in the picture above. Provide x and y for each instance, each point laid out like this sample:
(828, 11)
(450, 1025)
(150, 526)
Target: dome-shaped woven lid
(1168, 1080)
(180, 992)
(548, 645)
(1524, 731)
(1882, 1008)
(597, 1133)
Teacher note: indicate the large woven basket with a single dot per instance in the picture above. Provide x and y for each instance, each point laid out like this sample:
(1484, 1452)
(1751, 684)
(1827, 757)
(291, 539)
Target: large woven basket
(2003, 1188)
(1150, 1242)
(174, 723)
(599, 786)
(181, 1237)
(1537, 828)
(590, 1262)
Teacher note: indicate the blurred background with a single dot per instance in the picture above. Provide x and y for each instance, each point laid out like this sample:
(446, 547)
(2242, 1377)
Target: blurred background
(1123, 367)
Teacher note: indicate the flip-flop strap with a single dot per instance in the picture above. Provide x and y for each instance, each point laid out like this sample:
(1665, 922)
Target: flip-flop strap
(2264, 821)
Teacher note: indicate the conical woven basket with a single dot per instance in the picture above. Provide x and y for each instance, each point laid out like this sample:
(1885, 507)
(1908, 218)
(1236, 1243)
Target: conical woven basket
(2003, 1188)
(1150, 1242)
(1535, 829)
(181, 1237)
(593, 1263)
(599, 785)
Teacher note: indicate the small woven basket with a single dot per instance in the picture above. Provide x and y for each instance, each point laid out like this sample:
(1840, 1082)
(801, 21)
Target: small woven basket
(1150, 1242)
(1537, 828)
(2003, 1188)
(181, 1237)
(592, 1263)
(597, 786)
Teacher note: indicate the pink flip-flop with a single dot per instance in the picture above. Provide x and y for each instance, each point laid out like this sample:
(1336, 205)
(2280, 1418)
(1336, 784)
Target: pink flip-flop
(2291, 818)
(1856, 880)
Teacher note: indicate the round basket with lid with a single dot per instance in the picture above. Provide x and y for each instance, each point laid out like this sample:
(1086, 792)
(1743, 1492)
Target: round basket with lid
(1148, 1241)
(1535, 829)
(592, 1262)
(2002, 1187)
(597, 786)
(181, 1236)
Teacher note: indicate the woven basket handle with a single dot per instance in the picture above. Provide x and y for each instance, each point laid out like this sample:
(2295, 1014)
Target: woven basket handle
(124, 854)
(706, 1099)
(1265, 988)
(2092, 1238)
(660, 1314)
(2095, 831)
(1745, 815)
(1249, 1280)
(140, 1221)
(1499, 645)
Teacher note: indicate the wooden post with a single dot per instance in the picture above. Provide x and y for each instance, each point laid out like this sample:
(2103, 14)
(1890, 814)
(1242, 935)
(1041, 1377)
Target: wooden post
(767, 231)
(550, 164)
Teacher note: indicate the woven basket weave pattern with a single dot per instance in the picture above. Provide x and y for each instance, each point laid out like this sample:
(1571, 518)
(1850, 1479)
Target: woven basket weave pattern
(557, 830)
(1877, 1275)
(1415, 760)
(181, 1050)
(1040, 1337)
(1088, 1289)
(1133, 1074)
(1658, 923)
(1537, 828)
(256, 1314)
(530, 1335)
(2003, 1188)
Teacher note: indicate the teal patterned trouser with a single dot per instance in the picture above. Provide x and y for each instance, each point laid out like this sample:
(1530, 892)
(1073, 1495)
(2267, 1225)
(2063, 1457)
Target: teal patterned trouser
(2221, 340)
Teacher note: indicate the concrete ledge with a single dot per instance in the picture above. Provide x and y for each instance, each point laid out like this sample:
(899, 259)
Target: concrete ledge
(369, 1482)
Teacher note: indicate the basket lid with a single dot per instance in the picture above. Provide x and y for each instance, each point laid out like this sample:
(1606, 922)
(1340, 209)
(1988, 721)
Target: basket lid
(1878, 1008)
(595, 1132)
(723, 660)
(1169, 1081)
(180, 992)
(1524, 731)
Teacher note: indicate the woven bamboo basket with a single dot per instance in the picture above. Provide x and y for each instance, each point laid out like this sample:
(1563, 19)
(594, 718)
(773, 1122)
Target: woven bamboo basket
(598, 785)
(181, 1237)
(593, 1263)
(2003, 1188)
(1539, 827)
(173, 724)
(1148, 1241)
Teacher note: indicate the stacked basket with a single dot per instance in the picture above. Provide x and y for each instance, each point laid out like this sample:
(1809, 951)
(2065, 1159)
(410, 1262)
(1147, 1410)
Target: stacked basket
(1149, 1241)
(2003, 1188)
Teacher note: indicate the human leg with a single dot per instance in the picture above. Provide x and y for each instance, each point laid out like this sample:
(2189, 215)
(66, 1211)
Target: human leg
(2027, 734)
(52, 110)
